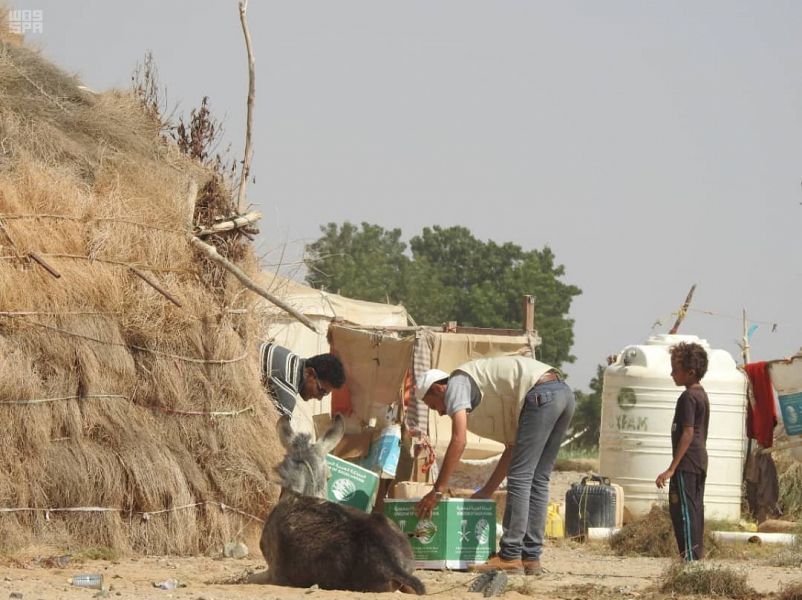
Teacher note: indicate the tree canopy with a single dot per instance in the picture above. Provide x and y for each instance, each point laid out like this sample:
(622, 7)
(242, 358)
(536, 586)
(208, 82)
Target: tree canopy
(448, 275)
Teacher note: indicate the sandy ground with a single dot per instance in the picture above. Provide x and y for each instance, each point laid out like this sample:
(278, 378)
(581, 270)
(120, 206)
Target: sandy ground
(573, 571)
(568, 567)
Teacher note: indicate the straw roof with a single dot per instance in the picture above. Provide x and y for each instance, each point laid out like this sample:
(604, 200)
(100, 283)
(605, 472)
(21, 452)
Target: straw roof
(125, 420)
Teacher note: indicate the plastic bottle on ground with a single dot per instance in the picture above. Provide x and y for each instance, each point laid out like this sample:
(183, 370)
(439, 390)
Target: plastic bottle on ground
(88, 580)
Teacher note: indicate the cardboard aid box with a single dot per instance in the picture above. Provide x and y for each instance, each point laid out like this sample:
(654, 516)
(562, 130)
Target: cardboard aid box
(405, 490)
(460, 532)
(499, 496)
(350, 484)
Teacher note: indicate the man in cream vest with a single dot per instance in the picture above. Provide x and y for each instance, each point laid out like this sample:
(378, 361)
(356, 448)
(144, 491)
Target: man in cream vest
(525, 405)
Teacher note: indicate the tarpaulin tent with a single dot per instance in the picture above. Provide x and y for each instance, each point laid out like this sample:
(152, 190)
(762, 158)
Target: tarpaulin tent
(360, 322)
(452, 349)
(322, 308)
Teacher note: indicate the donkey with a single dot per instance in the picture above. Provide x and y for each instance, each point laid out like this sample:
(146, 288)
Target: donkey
(308, 540)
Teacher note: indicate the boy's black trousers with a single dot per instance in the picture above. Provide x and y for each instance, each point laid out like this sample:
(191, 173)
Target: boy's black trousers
(686, 494)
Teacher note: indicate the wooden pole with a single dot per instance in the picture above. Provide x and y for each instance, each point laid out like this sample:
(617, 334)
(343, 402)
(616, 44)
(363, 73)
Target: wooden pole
(42, 262)
(683, 310)
(784, 446)
(212, 253)
(246, 161)
(529, 313)
(154, 284)
(745, 341)
(237, 222)
(749, 393)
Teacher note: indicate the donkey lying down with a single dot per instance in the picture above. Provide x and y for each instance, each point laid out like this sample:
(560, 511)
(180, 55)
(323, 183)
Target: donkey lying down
(308, 540)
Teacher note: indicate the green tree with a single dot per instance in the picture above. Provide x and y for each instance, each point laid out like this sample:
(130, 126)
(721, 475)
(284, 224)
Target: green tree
(450, 276)
(488, 281)
(587, 416)
(367, 263)
(424, 295)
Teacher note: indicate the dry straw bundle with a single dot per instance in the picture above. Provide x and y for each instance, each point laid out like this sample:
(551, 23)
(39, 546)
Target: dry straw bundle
(653, 535)
(125, 420)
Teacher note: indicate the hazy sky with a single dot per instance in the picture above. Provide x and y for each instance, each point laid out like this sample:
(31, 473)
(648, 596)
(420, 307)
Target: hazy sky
(651, 145)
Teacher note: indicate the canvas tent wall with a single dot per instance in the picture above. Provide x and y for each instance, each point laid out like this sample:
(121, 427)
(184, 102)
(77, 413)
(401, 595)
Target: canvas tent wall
(449, 351)
(443, 350)
(322, 308)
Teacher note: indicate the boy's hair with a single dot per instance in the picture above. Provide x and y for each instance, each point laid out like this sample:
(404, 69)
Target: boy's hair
(328, 368)
(691, 357)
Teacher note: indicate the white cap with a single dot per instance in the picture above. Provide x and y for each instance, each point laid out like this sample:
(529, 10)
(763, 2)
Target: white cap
(429, 377)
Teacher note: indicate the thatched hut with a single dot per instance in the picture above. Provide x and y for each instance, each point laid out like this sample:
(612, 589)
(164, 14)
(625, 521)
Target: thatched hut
(125, 420)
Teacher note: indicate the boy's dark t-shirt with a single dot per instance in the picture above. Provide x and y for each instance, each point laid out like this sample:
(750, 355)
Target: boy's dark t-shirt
(693, 409)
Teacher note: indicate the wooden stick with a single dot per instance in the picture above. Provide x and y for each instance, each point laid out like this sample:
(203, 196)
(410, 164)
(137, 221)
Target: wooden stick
(683, 310)
(42, 262)
(212, 253)
(745, 341)
(235, 223)
(529, 313)
(487, 331)
(152, 283)
(784, 446)
(246, 162)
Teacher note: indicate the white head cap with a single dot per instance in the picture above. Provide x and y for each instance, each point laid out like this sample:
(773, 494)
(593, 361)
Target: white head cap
(429, 377)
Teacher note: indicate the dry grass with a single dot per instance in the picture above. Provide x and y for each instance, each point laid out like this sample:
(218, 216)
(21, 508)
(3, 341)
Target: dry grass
(104, 383)
(787, 556)
(790, 480)
(791, 591)
(653, 535)
(578, 464)
(102, 553)
(700, 579)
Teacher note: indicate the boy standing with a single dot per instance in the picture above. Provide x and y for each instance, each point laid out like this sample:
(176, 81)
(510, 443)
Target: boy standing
(688, 468)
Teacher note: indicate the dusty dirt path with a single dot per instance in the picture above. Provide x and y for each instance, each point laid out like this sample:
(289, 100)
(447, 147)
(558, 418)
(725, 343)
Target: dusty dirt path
(566, 566)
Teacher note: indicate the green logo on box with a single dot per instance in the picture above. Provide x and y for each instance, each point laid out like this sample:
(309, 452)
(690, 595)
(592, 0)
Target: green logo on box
(350, 484)
(461, 532)
(343, 490)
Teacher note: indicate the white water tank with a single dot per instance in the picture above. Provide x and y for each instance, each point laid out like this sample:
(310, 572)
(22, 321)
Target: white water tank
(638, 402)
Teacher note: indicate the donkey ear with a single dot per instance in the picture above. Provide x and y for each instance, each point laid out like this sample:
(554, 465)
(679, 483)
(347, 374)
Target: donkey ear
(333, 436)
(285, 432)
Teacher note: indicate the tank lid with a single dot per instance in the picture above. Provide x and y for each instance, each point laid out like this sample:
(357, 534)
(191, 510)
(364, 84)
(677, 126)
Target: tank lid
(667, 339)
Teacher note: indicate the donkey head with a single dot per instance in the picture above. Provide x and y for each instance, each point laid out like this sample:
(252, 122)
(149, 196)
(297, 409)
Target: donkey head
(303, 469)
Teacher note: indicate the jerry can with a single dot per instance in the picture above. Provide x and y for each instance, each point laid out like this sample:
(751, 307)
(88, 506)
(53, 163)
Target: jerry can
(593, 502)
(554, 522)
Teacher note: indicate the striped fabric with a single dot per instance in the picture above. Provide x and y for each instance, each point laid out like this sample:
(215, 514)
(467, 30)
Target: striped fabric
(417, 416)
(282, 375)
(686, 493)
(687, 551)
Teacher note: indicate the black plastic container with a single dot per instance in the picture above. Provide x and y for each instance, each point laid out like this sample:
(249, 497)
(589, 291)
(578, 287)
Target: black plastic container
(589, 503)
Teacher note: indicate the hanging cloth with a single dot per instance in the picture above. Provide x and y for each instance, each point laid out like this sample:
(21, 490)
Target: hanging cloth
(762, 415)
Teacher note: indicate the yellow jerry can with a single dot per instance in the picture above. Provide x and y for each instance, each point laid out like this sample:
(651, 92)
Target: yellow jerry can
(554, 521)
